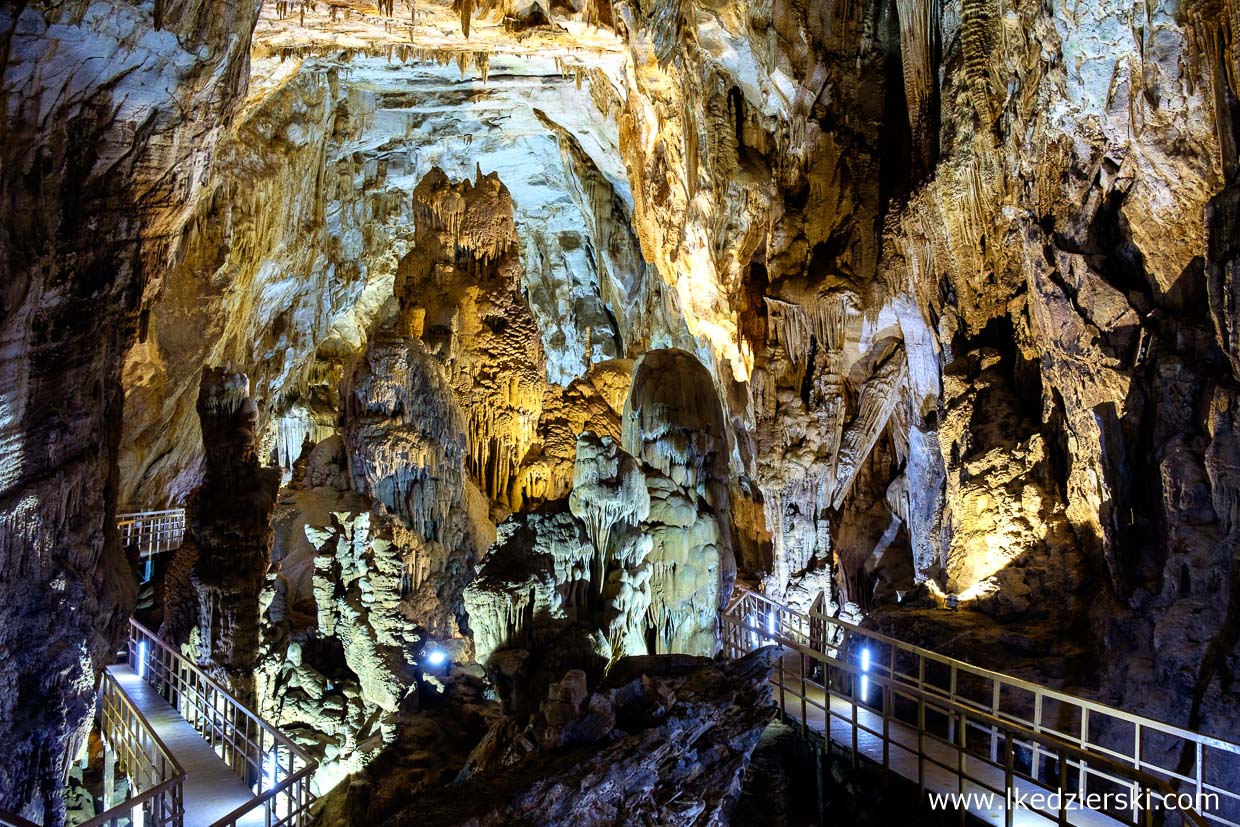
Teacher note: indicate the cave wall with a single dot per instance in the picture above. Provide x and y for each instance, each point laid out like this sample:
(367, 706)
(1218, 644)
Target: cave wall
(960, 273)
(112, 110)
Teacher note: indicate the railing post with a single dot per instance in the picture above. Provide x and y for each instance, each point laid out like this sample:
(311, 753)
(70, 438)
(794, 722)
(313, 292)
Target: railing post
(1009, 782)
(1035, 761)
(994, 712)
(1082, 770)
(805, 708)
(960, 768)
(921, 744)
(856, 757)
(888, 703)
(1062, 760)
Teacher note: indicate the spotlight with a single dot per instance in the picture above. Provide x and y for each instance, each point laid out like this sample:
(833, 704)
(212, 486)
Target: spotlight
(436, 657)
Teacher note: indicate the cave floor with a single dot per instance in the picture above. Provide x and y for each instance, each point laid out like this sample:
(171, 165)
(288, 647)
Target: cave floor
(902, 753)
(211, 789)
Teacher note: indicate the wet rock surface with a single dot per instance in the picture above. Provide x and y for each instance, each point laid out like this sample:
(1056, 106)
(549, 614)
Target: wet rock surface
(110, 120)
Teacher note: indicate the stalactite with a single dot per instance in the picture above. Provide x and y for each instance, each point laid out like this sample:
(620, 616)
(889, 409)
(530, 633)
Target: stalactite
(919, 22)
(979, 23)
(879, 396)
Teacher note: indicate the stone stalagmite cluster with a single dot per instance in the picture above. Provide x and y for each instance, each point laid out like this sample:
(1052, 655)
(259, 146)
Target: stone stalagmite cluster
(491, 345)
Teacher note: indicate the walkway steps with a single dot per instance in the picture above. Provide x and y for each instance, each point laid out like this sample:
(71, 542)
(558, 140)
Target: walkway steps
(211, 789)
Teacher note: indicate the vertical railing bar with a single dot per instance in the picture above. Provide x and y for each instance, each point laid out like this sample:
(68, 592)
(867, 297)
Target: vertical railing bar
(1035, 763)
(1082, 770)
(996, 690)
(804, 706)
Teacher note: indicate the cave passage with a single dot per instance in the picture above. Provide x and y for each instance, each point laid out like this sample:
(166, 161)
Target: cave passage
(679, 413)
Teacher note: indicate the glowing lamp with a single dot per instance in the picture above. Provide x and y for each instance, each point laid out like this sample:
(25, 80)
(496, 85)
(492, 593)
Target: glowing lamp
(436, 657)
(865, 679)
(269, 769)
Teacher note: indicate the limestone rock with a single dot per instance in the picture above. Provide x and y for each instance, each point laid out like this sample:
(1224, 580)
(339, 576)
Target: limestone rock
(676, 755)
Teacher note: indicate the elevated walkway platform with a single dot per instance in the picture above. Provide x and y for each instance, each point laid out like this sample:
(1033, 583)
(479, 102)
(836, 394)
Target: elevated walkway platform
(211, 790)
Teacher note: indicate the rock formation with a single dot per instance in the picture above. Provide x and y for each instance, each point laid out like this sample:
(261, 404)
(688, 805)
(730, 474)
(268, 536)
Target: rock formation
(211, 591)
(666, 749)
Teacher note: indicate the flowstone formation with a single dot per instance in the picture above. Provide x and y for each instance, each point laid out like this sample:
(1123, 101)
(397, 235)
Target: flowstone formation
(447, 423)
(640, 560)
(339, 646)
(211, 590)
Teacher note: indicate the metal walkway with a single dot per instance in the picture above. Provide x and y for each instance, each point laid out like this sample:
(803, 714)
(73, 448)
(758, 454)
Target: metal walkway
(1026, 754)
(152, 532)
(211, 790)
(193, 754)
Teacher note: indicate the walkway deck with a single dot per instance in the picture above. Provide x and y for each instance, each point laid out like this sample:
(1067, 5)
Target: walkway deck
(902, 756)
(212, 791)
(1008, 745)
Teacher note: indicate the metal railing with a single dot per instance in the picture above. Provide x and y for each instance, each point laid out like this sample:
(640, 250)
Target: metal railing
(152, 532)
(997, 730)
(144, 759)
(275, 769)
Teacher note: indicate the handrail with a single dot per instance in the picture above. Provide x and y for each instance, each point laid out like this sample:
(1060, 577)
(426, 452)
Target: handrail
(131, 516)
(199, 699)
(122, 813)
(284, 739)
(989, 674)
(240, 812)
(152, 532)
(8, 819)
(1089, 758)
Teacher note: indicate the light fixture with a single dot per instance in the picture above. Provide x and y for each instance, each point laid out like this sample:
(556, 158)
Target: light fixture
(865, 678)
(270, 762)
(436, 657)
(770, 623)
(142, 659)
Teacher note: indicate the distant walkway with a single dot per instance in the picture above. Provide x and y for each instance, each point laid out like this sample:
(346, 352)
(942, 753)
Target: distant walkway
(211, 790)
(194, 755)
(1018, 754)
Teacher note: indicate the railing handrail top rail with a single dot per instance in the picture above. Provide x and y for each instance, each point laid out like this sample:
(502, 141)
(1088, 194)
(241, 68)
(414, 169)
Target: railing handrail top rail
(274, 731)
(14, 818)
(1019, 683)
(1013, 727)
(129, 515)
(128, 804)
(159, 742)
(242, 809)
